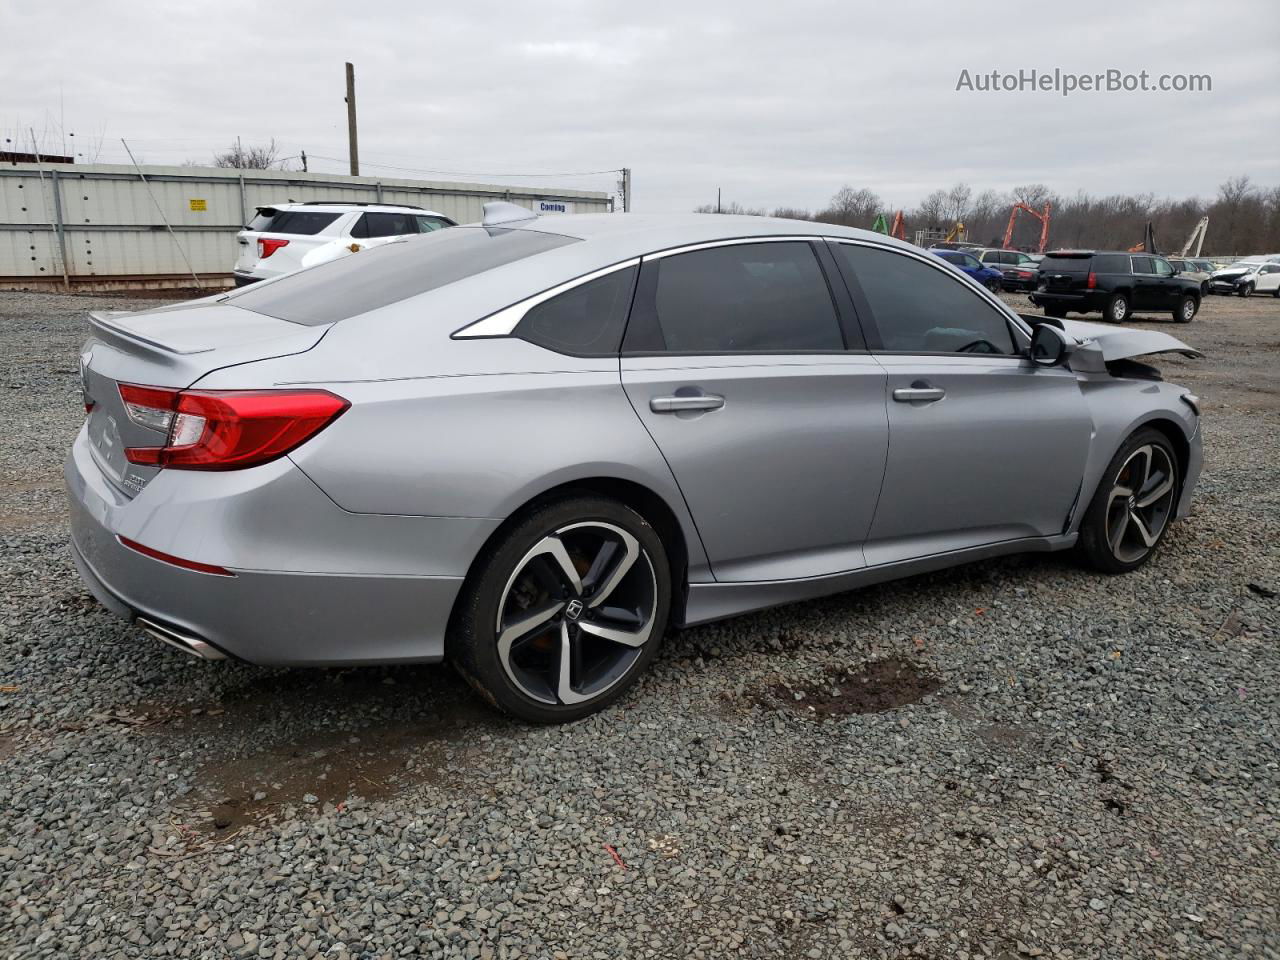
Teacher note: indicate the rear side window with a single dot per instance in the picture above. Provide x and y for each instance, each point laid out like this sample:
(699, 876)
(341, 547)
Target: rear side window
(585, 321)
(1110, 263)
(373, 225)
(390, 273)
(744, 298)
(1143, 265)
(427, 224)
(302, 223)
(920, 309)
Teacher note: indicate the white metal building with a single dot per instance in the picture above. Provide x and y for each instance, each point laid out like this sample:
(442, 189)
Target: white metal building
(106, 225)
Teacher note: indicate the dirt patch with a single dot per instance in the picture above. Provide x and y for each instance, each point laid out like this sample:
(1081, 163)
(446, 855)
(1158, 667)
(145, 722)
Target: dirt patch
(310, 738)
(320, 769)
(871, 688)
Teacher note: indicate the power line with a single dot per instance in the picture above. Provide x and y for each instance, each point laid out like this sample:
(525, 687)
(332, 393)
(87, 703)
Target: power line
(471, 173)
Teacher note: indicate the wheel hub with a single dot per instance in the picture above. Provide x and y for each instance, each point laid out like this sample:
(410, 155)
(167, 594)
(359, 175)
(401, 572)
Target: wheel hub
(1141, 502)
(576, 613)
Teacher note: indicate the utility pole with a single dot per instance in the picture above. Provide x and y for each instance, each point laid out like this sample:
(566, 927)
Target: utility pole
(304, 161)
(351, 121)
(626, 189)
(717, 199)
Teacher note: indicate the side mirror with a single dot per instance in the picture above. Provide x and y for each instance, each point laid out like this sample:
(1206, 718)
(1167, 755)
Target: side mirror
(1048, 345)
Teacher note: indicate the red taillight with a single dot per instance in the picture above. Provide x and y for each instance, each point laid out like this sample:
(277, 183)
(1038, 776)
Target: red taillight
(176, 561)
(269, 245)
(226, 429)
(1092, 281)
(1024, 274)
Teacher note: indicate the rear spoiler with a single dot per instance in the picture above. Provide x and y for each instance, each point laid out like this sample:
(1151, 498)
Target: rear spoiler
(108, 322)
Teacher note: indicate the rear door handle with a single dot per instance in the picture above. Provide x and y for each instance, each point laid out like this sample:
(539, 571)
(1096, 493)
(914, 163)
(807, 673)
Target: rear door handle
(679, 404)
(916, 394)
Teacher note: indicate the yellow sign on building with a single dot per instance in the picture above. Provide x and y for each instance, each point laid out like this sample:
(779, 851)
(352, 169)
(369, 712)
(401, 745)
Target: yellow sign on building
(201, 205)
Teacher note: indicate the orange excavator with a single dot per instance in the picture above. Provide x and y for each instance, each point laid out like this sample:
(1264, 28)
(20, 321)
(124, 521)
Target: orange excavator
(898, 229)
(1041, 215)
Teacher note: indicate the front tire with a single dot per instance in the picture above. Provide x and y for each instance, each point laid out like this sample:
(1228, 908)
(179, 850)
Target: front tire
(1133, 506)
(1117, 309)
(1246, 290)
(564, 612)
(1186, 310)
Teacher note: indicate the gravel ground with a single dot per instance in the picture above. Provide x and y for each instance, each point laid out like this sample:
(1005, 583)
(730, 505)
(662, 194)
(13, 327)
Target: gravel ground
(1017, 758)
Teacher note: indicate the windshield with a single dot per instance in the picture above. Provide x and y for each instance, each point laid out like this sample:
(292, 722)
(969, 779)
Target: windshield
(388, 274)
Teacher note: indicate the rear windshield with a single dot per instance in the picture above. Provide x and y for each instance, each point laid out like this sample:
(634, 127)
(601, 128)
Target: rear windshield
(303, 223)
(388, 274)
(1057, 264)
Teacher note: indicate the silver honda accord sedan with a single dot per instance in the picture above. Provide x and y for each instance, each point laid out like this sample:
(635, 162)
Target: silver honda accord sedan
(531, 446)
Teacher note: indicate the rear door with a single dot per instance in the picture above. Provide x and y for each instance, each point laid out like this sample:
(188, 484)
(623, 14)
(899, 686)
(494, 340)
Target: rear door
(746, 367)
(1147, 288)
(375, 228)
(984, 446)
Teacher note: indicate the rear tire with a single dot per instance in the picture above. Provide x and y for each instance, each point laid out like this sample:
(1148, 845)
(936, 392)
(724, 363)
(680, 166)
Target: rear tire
(1133, 506)
(1117, 308)
(1186, 310)
(564, 612)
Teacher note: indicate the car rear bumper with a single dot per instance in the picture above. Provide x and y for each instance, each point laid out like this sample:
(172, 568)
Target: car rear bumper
(1080, 302)
(243, 279)
(366, 599)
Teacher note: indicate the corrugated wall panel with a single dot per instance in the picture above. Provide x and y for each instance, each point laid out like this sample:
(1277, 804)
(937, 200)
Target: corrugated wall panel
(112, 226)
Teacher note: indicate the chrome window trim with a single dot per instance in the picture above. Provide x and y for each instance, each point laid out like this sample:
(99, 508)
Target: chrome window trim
(937, 263)
(737, 241)
(504, 322)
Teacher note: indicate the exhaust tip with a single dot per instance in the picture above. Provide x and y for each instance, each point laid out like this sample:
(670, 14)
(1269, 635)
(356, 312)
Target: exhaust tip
(188, 644)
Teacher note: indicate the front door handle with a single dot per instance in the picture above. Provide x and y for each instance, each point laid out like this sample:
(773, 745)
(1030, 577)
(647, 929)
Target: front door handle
(680, 404)
(916, 394)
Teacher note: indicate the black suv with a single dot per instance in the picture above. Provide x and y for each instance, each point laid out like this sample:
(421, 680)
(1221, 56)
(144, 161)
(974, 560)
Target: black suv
(1113, 284)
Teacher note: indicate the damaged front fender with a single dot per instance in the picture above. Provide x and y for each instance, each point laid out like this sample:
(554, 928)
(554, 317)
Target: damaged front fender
(1098, 344)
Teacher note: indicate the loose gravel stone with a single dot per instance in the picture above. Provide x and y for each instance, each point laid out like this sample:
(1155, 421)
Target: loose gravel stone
(1076, 765)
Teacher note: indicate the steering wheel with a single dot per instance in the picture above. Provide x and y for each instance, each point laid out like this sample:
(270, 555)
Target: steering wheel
(979, 346)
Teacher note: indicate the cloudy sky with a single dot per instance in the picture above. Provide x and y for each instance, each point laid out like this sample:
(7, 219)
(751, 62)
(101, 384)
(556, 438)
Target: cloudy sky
(777, 103)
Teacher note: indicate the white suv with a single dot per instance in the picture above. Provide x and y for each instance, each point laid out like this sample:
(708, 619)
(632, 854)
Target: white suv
(285, 237)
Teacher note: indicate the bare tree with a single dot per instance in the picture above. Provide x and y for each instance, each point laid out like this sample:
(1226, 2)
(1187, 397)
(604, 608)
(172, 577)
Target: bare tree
(853, 208)
(252, 157)
(731, 207)
(932, 211)
(957, 205)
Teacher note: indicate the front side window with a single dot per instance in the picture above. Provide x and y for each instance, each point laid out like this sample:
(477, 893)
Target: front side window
(1162, 267)
(972, 264)
(428, 224)
(585, 321)
(919, 309)
(744, 298)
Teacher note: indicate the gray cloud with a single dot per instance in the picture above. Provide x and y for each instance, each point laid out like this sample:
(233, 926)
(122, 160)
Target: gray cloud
(776, 103)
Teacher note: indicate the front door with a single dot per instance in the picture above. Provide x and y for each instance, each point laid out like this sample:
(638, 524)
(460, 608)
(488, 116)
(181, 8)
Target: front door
(736, 362)
(984, 446)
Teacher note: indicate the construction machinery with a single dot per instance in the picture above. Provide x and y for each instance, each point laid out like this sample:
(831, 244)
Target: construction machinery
(1148, 244)
(954, 238)
(898, 228)
(1042, 215)
(1196, 239)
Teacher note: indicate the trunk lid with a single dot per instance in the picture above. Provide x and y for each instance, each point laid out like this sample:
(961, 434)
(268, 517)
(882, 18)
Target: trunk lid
(168, 347)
